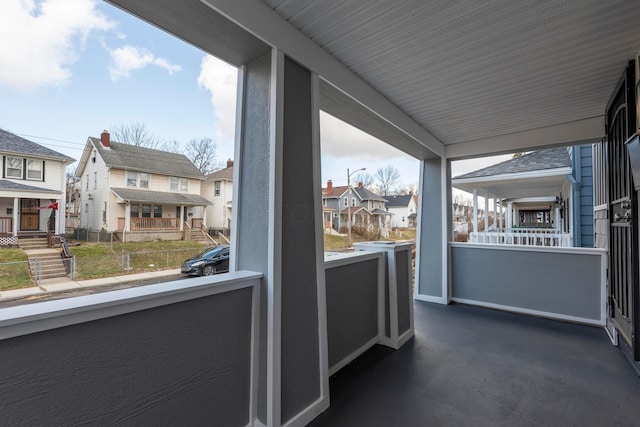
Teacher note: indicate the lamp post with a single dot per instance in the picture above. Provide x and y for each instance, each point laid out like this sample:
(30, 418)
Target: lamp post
(349, 200)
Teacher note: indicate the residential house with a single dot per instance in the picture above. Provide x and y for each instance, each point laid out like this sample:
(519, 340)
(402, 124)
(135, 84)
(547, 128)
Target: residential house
(441, 81)
(546, 196)
(139, 193)
(366, 208)
(403, 208)
(218, 188)
(32, 188)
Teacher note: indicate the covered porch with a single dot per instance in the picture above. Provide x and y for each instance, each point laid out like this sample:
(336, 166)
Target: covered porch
(440, 81)
(154, 214)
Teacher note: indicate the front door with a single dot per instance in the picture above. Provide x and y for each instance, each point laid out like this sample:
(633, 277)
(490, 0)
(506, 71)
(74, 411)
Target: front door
(623, 239)
(29, 214)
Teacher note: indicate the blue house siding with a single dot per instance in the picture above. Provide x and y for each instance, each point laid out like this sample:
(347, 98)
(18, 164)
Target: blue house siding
(582, 164)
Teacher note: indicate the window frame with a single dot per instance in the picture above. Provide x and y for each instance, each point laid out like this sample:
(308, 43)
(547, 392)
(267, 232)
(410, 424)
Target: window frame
(40, 169)
(7, 167)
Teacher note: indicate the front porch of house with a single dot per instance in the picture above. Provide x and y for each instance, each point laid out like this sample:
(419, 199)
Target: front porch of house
(473, 366)
(23, 216)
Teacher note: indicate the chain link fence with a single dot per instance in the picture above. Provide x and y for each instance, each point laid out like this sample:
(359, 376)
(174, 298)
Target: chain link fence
(16, 275)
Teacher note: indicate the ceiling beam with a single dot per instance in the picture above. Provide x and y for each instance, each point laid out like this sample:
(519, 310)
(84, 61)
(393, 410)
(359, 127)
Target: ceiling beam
(578, 132)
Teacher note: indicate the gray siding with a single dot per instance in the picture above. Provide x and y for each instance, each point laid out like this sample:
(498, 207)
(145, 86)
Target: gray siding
(186, 363)
(403, 293)
(557, 282)
(300, 341)
(352, 308)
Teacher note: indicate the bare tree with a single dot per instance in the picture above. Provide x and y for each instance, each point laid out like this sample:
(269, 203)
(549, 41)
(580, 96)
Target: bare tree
(134, 133)
(364, 178)
(387, 178)
(172, 146)
(202, 152)
(407, 189)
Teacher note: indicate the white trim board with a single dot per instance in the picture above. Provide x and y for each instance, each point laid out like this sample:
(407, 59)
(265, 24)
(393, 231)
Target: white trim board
(537, 313)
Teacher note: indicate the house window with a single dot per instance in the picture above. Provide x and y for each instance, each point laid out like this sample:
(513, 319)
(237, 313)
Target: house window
(87, 180)
(157, 211)
(346, 201)
(178, 184)
(95, 180)
(132, 179)
(135, 211)
(353, 202)
(146, 211)
(34, 170)
(143, 179)
(13, 167)
(104, 213)
(216, 191)
(324, 202)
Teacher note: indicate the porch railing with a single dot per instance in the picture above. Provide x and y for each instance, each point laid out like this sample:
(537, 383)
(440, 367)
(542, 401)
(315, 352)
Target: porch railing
(144, 224)
(6, 225)
(523, 237)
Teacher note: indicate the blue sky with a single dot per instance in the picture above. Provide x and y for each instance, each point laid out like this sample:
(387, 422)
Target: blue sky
(76, 67)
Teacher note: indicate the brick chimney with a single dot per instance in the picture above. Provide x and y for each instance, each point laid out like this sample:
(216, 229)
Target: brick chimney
(105, 139)
(359, 184)
(229, 163)
(329, 186)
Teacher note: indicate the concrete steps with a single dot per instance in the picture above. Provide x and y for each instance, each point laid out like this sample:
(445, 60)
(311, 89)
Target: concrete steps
(31, 243)
(47, 263)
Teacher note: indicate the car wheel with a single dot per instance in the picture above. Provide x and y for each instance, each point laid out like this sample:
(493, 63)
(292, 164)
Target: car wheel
(208, 270)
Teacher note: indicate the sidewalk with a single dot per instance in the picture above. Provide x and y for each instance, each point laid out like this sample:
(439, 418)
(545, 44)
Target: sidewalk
(63, 284)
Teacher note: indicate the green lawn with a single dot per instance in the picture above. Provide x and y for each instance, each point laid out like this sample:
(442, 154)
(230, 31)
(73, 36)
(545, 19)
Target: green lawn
(14, 271)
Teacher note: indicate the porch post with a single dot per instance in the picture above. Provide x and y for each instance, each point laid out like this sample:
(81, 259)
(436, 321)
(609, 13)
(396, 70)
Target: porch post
(127, 216)
(277, 230)
(475, 213)
(509, 216)
(433, 232)
(495, 213)
(16, 217)
(181, 219)
(486, 212)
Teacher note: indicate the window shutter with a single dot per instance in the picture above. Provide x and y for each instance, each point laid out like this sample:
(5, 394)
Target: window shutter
(43, 162)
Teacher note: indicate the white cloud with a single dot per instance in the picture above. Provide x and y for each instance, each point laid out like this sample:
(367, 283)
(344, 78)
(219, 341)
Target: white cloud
(130, 58)
(340, 139)
(220, 79)
(42, 39)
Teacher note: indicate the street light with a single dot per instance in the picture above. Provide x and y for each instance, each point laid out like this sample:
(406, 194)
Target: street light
(349, 200)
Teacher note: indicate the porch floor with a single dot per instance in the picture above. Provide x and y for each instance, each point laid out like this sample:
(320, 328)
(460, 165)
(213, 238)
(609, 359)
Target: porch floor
(470, 366)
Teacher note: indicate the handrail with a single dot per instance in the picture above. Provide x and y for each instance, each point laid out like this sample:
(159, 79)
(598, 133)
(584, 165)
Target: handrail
(65, 254)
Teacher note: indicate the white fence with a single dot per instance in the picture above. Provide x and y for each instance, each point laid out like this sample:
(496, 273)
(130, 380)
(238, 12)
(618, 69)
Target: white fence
(523, 236)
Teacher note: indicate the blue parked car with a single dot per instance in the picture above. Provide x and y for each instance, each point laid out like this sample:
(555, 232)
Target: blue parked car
(212, 261)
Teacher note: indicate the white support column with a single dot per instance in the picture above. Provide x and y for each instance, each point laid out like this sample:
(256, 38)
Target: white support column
(280, 235)
(495, 213)
(500, 215)
(127, 216)
(475, 212)
(16, 216)
(181, 219)
(509, 218)
(486, 212)
(557, 224)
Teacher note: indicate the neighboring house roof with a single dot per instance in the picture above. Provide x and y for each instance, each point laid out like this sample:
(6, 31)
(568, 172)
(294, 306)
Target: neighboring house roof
(11, 185)
(145, 196)
(225, 174)
(366, 194)
(552, 158)
(380, 212)
(401, 201)
(336, 192)
(142, 159)
(355, 210)
(11, 143)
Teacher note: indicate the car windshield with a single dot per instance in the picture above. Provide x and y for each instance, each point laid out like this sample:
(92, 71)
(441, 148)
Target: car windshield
(210, 253)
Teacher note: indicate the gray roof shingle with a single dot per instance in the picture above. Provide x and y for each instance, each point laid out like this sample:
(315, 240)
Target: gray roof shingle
(11, 143)
(399, 201)
(144, 196)
(551, 158)
(366, 194)
(11, 185)
(142, 159)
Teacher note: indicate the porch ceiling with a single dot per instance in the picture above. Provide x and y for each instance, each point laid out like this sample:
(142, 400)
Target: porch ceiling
(516, 186)
(434, 78)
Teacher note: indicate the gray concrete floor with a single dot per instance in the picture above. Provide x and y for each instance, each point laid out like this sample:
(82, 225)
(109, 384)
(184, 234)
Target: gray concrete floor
(470, 366)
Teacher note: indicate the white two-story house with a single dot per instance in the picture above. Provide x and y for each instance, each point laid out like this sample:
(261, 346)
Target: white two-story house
(219, 189)
(32, 188)
(139, 193)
